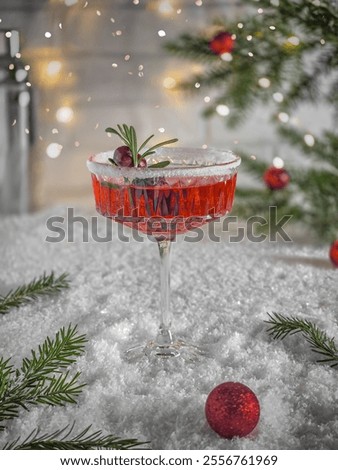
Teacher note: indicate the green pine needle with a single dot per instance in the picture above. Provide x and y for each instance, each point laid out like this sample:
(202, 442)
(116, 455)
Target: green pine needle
(282, 326)
(44, 285)
(42, 377)
(62, 440)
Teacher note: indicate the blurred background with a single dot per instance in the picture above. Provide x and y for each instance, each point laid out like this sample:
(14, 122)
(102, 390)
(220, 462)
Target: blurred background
(89, 64)
(97, 63)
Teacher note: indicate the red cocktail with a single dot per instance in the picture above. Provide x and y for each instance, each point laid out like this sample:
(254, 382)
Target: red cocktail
(196, 187)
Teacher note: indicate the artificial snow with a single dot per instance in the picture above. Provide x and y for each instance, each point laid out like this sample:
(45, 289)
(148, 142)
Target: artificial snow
(221, 293)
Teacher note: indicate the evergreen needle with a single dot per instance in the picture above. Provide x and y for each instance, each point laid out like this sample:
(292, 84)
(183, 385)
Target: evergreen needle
(44, 285)
(282, 326)
(42, 377)
(62, 440)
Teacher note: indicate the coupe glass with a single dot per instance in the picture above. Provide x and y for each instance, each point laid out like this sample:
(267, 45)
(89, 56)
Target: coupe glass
(197, 187)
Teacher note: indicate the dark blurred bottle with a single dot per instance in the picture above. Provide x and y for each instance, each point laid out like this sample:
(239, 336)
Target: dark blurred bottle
(16, 132)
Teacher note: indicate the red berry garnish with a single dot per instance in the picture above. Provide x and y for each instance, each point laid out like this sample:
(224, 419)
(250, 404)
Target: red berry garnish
(123, 156)
(129, 155)
(142, 163)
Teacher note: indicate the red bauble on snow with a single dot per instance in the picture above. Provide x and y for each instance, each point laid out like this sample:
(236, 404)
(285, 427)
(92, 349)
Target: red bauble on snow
(334, 253)
(232, 410)
(222, 43)
(276, 178)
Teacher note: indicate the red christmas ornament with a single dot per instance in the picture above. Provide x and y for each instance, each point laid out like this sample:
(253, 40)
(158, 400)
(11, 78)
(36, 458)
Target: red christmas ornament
(334, 253)
(276, 178)
(222, 43)
(232, 409)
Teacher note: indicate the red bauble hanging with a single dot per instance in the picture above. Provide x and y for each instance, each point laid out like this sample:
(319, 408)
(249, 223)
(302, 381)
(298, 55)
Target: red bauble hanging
(222, 43)
(276, 178)
(333, 253)
(232, 410)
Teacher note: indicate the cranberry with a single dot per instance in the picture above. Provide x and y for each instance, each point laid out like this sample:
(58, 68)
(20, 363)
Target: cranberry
(123, 156)
(142, 163)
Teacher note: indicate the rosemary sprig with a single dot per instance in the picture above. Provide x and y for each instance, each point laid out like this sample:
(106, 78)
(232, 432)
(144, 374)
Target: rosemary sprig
(44, 285)
(42, 377)
(128, 135)
(282, 326)
(62, 440)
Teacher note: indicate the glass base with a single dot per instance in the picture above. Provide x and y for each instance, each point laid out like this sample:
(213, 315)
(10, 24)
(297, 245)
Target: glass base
(156, 349)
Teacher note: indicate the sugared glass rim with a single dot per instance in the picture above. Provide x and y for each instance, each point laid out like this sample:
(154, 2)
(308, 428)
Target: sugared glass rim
(217, 162)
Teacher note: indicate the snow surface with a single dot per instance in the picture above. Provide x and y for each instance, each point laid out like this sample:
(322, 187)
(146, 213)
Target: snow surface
(221, 293)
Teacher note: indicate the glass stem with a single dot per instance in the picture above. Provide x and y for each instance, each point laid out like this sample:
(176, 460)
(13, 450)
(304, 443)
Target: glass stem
(164, 337)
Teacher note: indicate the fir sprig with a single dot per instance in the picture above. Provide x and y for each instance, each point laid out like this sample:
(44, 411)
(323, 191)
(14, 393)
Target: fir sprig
(46, 284)
(128, 135)
(282, 326)
(42, 378)
(62, 440)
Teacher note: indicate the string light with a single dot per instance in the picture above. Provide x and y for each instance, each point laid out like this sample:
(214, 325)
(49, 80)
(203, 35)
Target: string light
(278, 97)
(161, 129)
(8, 34)
(161, 33)
(283, 117)
(260, 11)
(54, 150)
(114, 65)
(222, 110)
(197, 85)
(48, 35)
(249, 37)
(294, 40)
(264, 82)
(309, 140)
(240, 25)
(226, 56)
(54, 67)
(164, 7)
(250, 54)
(169, 83)
(272, 28)
(65, 114)
(278, 162)
(206, 99)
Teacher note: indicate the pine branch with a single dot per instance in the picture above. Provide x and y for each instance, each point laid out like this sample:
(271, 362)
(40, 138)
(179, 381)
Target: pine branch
(44, 285)
(62, 440)
(42, 378)
(282, 326)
